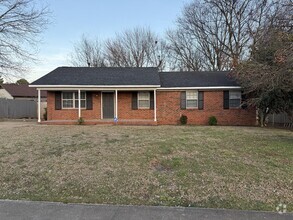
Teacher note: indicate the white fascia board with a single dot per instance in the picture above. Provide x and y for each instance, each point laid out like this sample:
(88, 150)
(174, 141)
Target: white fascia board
(200, 88)
(126, 87)
(95, 88)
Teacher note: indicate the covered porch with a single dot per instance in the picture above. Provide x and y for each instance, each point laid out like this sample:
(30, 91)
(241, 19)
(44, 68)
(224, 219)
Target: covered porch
(123, 106)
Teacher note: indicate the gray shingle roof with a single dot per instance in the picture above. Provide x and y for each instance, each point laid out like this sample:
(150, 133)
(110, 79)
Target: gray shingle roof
(22, 90)
(131, 76)
(100, 76)
(196, 79)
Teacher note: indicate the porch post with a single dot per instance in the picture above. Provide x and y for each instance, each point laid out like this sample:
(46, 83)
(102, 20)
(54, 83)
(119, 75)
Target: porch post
(39, 105)
(155, 105)
(101, 104)
(79, 105)
(116, 104)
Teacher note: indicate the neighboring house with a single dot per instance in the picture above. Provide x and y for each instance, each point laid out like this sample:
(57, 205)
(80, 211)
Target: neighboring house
(20, 92)
(141, 96)
(20, 101)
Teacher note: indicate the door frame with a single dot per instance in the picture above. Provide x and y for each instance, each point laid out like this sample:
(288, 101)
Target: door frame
(102, 112)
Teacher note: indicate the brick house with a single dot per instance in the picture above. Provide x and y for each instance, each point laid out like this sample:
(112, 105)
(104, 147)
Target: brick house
(141, 96)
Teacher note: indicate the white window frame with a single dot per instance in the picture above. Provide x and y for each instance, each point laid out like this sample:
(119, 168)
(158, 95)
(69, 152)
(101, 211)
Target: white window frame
(139, 98)
(63, 99)
(230, 94)
(74, 99)
(192, 99)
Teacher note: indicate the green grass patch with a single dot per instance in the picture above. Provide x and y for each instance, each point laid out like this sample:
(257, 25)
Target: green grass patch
(200, 166)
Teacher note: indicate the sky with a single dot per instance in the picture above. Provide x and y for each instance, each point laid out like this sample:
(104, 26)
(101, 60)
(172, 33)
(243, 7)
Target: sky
(70, 19)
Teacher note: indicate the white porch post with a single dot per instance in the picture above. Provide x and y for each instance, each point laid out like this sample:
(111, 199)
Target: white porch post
(116, 104)
(155, 105)
(39, 105)
(101, 105)
(79, 105)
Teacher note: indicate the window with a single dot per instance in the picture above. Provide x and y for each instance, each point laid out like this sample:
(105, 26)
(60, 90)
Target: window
(234, 99)
(144, 100)
(70, 100)
(82, 99)
(67, 100)
(191, 99)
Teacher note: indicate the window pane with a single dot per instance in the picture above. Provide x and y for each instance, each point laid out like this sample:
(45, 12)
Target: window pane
(234, 103)
(143, 95)
(191, 103)
(82, 103)
(191, 94)
(67, 103)
(82, 95)
(143, 104)
(67, 95)
(235, 94)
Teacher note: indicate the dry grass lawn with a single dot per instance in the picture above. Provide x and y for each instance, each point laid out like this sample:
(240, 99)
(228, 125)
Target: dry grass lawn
(219, 167)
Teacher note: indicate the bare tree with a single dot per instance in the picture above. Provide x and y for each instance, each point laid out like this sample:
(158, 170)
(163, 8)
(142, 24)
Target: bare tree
(136, 48)
(223, 31)
(20, 24)
(183, 54)
(193, 36)
(267, 77)
(268, 15)
(157, 53)
(87, 52)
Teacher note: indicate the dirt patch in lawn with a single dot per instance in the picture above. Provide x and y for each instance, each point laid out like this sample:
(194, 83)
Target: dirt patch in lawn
(219, 167)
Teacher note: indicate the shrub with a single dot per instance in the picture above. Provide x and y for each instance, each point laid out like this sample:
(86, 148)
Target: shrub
(183, 119)
(213, 120)
(80, 121)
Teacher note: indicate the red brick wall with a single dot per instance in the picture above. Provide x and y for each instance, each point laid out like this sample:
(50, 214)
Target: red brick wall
(72, 114)
(125, 108)
(169, 112)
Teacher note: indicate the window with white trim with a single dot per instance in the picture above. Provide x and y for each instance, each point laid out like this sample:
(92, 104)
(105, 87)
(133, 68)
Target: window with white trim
(70, 100)
(191, 99)
(143, 100)
(234, 99)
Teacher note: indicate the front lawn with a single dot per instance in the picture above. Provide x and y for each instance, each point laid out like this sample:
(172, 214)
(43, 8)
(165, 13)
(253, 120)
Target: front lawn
(218, 167)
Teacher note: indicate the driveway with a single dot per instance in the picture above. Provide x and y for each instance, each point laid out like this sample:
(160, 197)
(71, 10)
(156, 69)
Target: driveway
(12, 123)
(21, 210)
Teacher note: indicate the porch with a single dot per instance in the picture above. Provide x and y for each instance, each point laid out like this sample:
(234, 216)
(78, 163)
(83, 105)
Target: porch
(102, 122)
(123, 106)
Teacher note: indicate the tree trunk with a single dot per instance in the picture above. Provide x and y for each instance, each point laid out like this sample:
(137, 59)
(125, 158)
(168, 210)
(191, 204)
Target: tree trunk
(262, 116)
(261, 119)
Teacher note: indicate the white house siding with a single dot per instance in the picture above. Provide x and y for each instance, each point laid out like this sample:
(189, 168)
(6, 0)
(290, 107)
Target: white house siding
(5, 94)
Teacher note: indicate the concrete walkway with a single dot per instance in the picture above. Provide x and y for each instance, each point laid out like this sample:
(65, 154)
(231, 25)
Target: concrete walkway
(25, 210)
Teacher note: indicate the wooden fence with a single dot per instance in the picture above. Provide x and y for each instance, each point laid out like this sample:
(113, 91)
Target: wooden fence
(10, 108)
(281, 119)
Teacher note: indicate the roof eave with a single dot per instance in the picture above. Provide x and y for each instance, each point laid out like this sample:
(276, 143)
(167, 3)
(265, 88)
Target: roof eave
(200, 87)
(94, 87)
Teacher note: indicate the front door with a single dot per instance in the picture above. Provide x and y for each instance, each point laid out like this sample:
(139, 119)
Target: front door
(108, 105)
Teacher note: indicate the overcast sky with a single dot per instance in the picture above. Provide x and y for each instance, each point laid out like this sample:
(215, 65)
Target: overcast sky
(70, 19)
